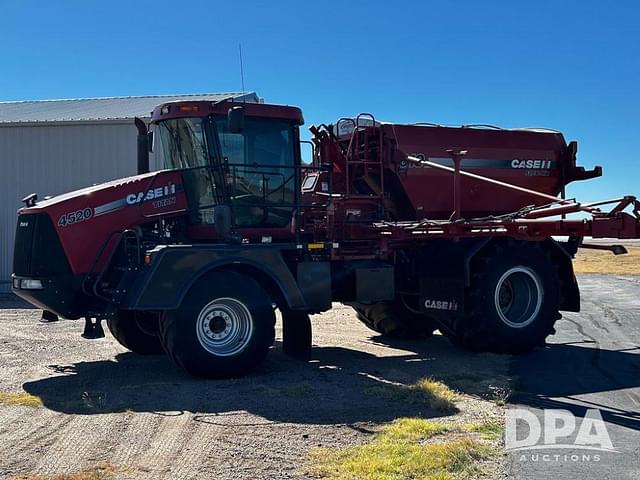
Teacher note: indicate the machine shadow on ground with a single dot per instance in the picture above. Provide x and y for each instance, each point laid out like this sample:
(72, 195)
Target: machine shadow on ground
(341, 385)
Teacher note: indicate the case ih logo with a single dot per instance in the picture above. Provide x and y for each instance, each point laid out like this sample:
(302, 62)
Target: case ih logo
(157, 194)
(450, 305)
(470, 162)
(531, 164)
(152, 194)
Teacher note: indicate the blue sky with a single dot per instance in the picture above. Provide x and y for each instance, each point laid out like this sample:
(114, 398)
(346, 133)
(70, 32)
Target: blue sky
(569, 65)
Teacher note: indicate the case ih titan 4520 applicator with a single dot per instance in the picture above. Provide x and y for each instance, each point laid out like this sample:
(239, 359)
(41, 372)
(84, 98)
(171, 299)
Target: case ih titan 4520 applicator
(418, 227)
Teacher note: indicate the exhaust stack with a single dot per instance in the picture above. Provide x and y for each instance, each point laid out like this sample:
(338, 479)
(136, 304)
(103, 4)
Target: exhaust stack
(144, 146)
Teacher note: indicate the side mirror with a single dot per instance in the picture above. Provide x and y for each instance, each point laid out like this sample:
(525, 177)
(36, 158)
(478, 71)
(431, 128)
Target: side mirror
(150, 140)
(235, 119)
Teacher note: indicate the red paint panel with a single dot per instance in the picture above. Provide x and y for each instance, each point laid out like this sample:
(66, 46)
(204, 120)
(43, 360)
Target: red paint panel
(85, 219)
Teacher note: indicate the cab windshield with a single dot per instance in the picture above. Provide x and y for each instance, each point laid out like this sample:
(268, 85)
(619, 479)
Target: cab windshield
(184, 147)
(261, 177)
(183, 143)
(256, 165)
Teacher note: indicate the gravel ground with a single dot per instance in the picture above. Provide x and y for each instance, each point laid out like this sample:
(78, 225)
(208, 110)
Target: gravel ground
(149, 420)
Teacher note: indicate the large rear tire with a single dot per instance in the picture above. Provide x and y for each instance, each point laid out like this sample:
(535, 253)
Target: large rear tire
(133, 330)
(394, 319)
(513, 301)
(223, 328)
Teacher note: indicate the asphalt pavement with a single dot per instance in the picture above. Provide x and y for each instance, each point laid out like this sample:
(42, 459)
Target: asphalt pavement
(593, 362)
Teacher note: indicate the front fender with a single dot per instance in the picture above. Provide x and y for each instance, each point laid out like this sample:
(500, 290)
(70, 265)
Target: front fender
(175, 268)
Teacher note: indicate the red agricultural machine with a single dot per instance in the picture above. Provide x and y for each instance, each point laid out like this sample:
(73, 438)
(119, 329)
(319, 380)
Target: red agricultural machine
(418, 227)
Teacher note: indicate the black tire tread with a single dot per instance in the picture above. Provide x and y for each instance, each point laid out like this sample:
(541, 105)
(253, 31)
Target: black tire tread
(127, 332)
(172, 324)
(394, 320)
(475, 331)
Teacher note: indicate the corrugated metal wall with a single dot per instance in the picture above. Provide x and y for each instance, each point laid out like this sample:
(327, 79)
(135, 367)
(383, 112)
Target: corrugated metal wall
(55, 159)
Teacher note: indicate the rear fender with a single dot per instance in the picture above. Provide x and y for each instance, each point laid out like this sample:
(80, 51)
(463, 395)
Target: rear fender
(445, 268)
(562, 261)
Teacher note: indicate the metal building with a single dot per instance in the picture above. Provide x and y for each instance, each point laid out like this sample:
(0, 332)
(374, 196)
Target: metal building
(55, 146)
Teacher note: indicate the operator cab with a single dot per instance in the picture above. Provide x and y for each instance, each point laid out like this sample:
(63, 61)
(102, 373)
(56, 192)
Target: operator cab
(242, 155)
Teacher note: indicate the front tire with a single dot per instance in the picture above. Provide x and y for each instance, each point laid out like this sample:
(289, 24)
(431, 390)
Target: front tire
(513, 301)
(223, 328)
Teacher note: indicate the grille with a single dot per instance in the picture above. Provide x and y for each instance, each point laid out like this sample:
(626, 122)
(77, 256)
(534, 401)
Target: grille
(23, 246)
(38, 251)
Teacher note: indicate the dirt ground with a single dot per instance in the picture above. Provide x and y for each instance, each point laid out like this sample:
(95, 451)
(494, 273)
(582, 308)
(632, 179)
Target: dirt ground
(146, 419)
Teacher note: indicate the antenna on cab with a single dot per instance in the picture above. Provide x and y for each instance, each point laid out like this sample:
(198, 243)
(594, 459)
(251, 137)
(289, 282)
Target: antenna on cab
(244, 99)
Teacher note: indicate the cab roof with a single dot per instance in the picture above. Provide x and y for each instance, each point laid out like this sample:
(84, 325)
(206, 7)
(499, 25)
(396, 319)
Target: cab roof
(182, 109)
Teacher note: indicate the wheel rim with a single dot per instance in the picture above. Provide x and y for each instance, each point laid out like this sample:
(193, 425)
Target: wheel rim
(518, 297)
(224, 327)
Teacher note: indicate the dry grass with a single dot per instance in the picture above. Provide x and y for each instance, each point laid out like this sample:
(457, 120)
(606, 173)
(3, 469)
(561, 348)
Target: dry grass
(488, 430)
(103, 471)
(411, 430)
(598, 261)
(489, 385)
(404, 449)
(22, 399)
(436, 395)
